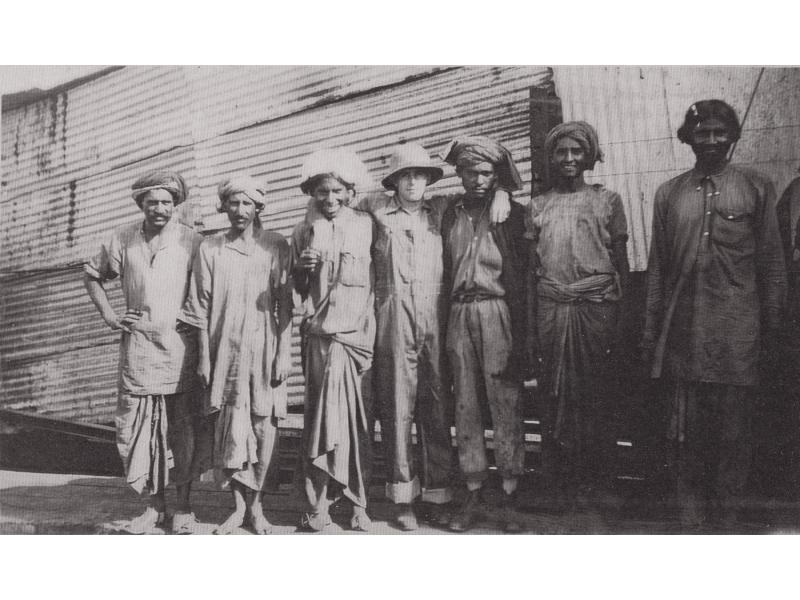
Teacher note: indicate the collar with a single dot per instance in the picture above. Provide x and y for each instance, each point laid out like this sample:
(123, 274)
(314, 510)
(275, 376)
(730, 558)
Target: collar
(698, 176)
(239, 244)
(166, 236)
(396, 206)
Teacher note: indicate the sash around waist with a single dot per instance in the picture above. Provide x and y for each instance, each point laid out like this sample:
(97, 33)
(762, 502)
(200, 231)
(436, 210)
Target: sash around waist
(595, 288)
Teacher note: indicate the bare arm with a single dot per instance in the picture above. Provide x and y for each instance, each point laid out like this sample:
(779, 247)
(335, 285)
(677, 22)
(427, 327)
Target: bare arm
(283, 294)
(97, 293)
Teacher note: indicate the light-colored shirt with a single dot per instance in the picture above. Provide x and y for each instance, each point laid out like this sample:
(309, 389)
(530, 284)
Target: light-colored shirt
(154, 357)
(408, 246)
(340, 293)
(236, 289)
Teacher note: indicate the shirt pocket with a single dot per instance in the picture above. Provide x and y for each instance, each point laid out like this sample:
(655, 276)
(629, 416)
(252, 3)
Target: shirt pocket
(733, 227)
(353, 270)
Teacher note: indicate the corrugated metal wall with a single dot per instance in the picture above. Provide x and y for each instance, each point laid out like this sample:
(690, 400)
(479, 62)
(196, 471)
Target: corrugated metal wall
(69, 160)
(637, 111)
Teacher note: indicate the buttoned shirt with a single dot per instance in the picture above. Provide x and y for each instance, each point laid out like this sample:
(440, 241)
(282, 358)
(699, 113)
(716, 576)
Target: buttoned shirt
(408, 247)
(340, 292)
(154, 357)
(476, 259)
(715, 275)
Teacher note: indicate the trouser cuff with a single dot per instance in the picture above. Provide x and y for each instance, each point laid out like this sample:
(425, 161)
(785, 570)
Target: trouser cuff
(403, 492)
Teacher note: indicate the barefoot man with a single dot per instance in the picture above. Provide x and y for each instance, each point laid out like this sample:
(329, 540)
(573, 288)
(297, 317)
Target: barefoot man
(241, 304)
(157, 407)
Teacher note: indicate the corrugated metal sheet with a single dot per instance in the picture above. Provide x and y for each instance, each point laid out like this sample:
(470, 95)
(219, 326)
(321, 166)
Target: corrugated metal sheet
(637, 111)
(69, 159)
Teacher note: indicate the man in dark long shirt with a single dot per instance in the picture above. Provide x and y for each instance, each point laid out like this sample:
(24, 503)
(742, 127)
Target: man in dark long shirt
(716, 286)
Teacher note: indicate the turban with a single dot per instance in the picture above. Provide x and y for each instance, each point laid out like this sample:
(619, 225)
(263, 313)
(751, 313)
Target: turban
(707, 109)
(471, 150)
(160, 180)
(340, 163)
(241, 184)
(581, 132)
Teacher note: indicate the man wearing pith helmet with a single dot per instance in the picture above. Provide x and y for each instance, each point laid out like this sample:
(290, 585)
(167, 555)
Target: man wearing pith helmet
(410, 381)
(158, 407)
(715, 292)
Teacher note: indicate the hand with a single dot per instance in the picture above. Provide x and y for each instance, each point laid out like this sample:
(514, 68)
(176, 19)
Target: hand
(310, 259)
(183, 328)
(281, 367)
(204, 370)
(501, 207)
(123, 324)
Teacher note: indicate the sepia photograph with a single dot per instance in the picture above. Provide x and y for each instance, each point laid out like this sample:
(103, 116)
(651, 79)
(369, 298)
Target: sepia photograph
(332, 299)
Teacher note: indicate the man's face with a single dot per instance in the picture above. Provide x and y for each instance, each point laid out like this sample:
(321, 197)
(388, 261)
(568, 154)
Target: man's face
(157, 206)
(478, 179)
(569, 158)
(411, 185)
(710, 140)
(330, 194)
(241, 211)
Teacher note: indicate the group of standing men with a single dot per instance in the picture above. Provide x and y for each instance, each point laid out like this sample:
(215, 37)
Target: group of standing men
(456, 300)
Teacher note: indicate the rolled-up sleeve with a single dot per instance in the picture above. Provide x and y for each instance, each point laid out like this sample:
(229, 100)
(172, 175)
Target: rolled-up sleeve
(107, 263)
(197, 306)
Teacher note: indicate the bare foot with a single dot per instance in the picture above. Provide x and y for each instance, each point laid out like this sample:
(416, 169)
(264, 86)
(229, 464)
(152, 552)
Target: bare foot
(315, 521)
(260, 524)
(231, 524)
(360, 521)
(145, 522)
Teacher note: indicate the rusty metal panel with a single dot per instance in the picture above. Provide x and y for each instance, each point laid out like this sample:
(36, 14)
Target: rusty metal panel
(637, 111)
(58, 358)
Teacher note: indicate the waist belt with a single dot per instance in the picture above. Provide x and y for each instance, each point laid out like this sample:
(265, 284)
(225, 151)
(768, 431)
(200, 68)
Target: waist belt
(470, 298)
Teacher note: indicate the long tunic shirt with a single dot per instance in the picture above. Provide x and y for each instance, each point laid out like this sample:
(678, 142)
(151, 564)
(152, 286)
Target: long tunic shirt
(236, 288)
(715, 275)
(154, 358)
(573, 235)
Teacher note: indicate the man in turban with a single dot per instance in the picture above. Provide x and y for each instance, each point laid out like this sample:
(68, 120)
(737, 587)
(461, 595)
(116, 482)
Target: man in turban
(715, 292)
(240, 302)
(332, 269)
(159, 400)
(484, 270)
(579, 270)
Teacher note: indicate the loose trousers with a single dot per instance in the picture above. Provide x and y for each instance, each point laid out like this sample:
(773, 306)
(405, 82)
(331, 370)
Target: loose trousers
(479, 345)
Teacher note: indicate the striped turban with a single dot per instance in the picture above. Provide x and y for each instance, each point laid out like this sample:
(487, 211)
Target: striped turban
(160, 180)
(467, 151)
(581, 132)
(241, 184)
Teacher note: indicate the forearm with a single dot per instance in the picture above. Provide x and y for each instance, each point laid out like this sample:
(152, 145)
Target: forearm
(284, 315)
(97, 293)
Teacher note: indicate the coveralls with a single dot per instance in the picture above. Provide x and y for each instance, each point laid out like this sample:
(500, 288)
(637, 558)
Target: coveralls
(410, 370)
